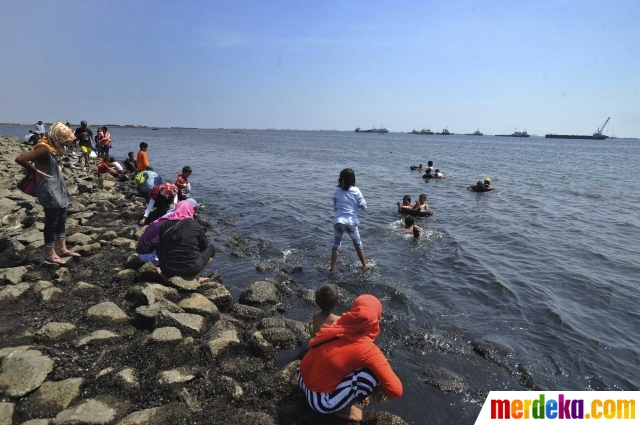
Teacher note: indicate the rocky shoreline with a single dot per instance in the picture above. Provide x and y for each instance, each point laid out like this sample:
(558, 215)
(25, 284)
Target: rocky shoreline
(104, 340)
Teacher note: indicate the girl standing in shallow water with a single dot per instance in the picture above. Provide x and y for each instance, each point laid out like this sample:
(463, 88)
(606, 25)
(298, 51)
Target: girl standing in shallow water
(346, 200)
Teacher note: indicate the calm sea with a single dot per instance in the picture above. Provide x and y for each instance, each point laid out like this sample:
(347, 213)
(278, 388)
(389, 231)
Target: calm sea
(546, 267)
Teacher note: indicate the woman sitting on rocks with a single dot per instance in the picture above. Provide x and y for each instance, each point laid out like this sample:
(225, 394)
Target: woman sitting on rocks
(162, 197)
(345, 366)
(51, 189)
(183, 247)
(148, 242)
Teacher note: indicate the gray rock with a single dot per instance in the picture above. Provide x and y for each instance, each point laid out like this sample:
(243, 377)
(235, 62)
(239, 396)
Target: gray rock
(50, 293)
(126, 378)
(81, 288)
(279, 337)
(287, 378)
(12, 253)
(29, 237)
(126, 275)
(148, 273)
(307, 296)
(98, 337)
(199, 304)
(225, 336)
(88, 412)
(155, 292)
(23, 372)
(37, 422)
(12, 275)
(6, 413)
(107, 312)
(258, 293)
(109, 235)
(444, 379)
(86, 250)
(142, 417)
(218, 294)
(56, 330)
(166, 334)
(184, 284)
(272, 322)
(265, 267)
(42, 285)
(13, 292)
(125, 243)
(386, 418)
(191, 324)
(4, 352)
(79, 239)
(150, 312)
(492, 347)
(173, 376)
(245, 312)
(62, 275)
(133, 262)
(261, 346)
(53, 397)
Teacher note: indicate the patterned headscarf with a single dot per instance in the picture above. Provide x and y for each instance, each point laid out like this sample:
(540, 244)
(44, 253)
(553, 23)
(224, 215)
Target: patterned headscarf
(58, 134)
(168, 189)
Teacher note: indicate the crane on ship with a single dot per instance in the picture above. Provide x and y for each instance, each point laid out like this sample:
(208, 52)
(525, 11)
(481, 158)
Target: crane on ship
(601, 129)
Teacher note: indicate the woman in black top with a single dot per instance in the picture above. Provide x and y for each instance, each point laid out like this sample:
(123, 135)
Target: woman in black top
(184, 249)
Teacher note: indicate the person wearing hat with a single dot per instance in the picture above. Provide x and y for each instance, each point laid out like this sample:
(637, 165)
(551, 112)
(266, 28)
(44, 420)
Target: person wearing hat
(84, 129)
(487, 182)
(162, 196)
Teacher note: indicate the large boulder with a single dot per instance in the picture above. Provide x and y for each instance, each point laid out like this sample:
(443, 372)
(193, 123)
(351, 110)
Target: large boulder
(12, 275)
(53, 397)
(23, 372)
(259, 293)
(218, 294)
(148, 273)
(199, 304)
(190, 324)
(107, 312)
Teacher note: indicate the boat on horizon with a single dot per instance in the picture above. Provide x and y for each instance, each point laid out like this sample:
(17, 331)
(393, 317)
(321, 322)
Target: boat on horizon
(380, 130)
(475, 133)
(423, 131)
(445, 132)
(516, 133)
(597, 135)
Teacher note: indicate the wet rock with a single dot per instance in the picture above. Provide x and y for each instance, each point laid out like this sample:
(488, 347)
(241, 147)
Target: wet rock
(190, 324)
(6, 413)
(245, 312)
(133, 262)
(155, 292)
(88, 412)
(107, 312)
(166, 334)
(148, 313)
(218, 294)
(184, 284)
(265, 267)
(173, 376)
(225, 336)
(126, 275)
(56, 330)
(126, 378)
(86, 250)
(492, 347)
(98, 337)
(261, 347)
(279, 337)
(258, 293)
(82, 288)
(79, 239)
(307, 296)
(148, 273)
(23, 372)
(4, 352)
(272, 322)
(12, 253)
(299, 329)
(286, 380)
(13, 292)
(444, 379)
(53, 397)
(50, 293)
(199, 304)
(125, 243)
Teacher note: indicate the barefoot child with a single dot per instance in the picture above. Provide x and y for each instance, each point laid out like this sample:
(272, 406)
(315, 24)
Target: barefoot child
(411, 227)
(346, 200)
(327, 300)
(183, 183)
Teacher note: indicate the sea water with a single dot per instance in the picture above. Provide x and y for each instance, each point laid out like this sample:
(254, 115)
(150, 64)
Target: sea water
(532, 286)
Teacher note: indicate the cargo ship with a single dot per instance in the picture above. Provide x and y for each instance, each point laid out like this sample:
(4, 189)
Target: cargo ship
(515, 134)
(423, 131)
(597, 135)
(373, 130)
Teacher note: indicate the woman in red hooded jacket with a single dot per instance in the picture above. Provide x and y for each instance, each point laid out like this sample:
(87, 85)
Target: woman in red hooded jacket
(344, 365)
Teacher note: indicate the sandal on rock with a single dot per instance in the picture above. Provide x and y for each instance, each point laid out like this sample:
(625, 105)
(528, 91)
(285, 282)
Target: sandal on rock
(70, 254)
(56, 260)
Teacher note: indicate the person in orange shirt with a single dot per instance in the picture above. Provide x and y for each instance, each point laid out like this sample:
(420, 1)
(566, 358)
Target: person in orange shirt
(345, 366)
(105, 143)
(141, 160)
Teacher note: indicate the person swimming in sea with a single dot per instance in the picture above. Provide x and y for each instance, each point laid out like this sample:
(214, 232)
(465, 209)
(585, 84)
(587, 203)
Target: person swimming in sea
(482, 187)
(411, 227)
(414, 168)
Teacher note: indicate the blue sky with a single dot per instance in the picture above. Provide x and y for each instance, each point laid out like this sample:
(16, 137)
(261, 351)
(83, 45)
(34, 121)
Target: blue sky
(550, 66)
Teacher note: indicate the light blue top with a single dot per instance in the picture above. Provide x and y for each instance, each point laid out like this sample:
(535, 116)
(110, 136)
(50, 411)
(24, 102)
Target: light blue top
(346, 203)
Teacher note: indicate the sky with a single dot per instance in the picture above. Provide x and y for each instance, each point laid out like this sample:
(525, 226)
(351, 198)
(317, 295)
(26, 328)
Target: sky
(558, 66)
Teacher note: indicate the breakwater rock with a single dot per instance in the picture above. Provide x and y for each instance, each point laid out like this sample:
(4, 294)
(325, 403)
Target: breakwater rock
(104, 340)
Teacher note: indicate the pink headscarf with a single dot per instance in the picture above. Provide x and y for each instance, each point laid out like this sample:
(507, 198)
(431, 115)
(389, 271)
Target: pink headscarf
(184, 209)
(361, 323)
